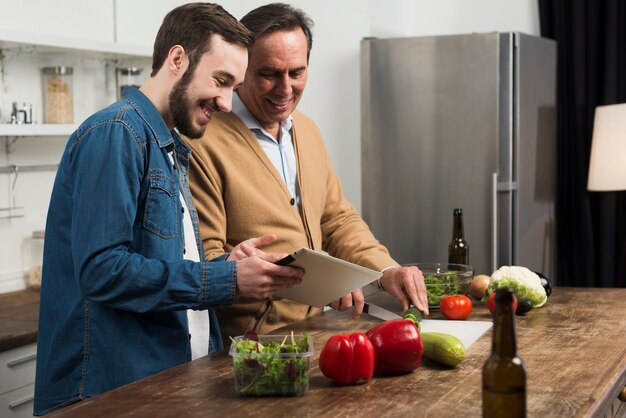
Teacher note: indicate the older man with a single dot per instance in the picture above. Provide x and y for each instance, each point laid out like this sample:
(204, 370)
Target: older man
(265, 168)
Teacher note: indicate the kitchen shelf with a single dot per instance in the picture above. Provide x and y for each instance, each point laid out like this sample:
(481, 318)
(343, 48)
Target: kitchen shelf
(15, 169)
(51, 43)
(36, 129)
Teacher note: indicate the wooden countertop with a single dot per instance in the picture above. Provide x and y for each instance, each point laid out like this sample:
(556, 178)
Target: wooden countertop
(574, 348)
(19, 316)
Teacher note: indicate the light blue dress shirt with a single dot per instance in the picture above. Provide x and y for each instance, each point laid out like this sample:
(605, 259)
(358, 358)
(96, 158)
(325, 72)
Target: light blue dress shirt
(280, 151)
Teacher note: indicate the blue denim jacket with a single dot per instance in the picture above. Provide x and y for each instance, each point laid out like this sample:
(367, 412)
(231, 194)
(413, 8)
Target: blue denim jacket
(115, 287)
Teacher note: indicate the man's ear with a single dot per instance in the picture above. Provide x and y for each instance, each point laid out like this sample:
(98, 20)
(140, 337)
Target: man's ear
(177, 60)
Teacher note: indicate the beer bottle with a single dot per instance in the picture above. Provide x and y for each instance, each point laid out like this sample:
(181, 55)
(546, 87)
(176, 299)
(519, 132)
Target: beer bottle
(458, 250)
(504, 372)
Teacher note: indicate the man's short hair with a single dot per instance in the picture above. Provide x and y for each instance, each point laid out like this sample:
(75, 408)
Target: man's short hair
(278, 16)
(191, 26)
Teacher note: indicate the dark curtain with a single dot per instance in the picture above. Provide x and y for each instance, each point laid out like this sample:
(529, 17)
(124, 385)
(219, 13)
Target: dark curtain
(591, 38)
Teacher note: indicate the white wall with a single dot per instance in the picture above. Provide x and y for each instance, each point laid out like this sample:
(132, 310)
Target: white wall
(85, 19)
(399, 18)
(331, 99)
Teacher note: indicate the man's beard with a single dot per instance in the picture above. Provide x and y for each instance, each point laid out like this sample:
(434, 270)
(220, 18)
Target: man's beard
(181, 109)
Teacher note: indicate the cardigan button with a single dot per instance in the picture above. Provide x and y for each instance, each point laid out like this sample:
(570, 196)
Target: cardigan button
(292, 201)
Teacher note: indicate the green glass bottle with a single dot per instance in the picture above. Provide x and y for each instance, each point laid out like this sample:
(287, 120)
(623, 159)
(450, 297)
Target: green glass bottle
(504, 372)
(458, 250)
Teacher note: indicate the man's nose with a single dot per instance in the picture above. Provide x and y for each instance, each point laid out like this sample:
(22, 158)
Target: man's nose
(224, 102)
(284, 85)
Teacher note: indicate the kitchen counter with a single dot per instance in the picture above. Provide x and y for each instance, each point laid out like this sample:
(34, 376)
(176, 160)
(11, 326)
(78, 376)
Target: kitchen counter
(19, 316)
(574, 348)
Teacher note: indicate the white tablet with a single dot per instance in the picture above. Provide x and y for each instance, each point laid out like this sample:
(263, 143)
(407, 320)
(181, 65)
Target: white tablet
(326, 278)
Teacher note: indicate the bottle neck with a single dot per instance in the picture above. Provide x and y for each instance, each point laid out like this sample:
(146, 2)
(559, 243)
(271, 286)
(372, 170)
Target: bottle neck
(457, 226)
(504, 340)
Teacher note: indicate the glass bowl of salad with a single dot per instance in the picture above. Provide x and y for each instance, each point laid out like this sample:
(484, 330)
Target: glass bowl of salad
(271, 365)
(444, 279)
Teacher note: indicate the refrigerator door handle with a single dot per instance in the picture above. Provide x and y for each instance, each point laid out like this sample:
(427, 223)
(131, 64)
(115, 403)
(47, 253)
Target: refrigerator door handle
(494, 221)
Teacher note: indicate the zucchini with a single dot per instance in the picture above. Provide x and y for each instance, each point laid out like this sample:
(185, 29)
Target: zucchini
(445, 349)
(413, 314)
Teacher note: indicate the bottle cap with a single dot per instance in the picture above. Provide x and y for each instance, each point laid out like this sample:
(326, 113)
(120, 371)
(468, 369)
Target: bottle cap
(504, 295)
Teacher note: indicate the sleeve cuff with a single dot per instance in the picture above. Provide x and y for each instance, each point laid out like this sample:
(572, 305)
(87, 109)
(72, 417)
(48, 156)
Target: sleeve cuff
(219, 283)
(380, 279)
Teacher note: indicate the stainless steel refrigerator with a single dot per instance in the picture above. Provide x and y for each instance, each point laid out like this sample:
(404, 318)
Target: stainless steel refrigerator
(461, 121)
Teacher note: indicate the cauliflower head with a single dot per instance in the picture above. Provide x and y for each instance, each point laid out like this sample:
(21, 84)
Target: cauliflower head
(524, 283)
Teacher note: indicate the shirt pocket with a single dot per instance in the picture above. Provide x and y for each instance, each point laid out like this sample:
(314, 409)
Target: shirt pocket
(161, 214)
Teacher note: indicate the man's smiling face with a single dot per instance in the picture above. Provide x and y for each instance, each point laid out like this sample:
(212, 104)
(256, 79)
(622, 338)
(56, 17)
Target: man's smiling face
(208, 88)
(276, 76)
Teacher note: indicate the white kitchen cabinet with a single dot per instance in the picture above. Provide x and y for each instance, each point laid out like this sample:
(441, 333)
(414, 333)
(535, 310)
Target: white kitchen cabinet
(18, 403)
(23, 54)
(17, 381)
(51, 43)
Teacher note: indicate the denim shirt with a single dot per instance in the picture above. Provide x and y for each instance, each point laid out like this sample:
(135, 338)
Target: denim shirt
(115, 287)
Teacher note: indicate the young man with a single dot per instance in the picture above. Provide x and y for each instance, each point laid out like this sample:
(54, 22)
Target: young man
(265, 168)
(121, 259)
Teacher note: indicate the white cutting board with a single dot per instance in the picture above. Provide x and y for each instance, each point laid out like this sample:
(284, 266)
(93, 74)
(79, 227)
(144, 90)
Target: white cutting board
(466, 331)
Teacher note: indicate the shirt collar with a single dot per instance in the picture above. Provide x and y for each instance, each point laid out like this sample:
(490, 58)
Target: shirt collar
(150, 114)
(242, 112)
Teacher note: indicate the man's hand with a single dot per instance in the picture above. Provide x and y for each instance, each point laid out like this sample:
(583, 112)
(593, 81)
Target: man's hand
(348, 301)
(403, 281)
(257, 275)
(252, 246)
(260, 279)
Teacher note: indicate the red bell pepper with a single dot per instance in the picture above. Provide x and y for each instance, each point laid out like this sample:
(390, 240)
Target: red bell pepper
(398, 347)
(348, 359)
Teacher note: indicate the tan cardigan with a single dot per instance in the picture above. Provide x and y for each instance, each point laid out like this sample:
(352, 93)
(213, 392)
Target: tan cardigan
(239, 195)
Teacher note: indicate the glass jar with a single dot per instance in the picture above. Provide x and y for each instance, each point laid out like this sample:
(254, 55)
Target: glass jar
(58, 94)
(127, 76)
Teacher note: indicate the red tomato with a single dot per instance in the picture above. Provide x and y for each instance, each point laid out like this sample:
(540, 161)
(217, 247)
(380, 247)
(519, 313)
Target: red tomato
(492, 302)
(455, 306)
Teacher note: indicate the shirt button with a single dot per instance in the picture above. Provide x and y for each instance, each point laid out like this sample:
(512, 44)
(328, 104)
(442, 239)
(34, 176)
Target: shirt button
(292, 201)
